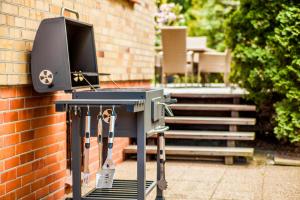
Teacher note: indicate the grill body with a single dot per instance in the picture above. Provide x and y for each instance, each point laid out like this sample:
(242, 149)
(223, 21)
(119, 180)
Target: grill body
(126, 121)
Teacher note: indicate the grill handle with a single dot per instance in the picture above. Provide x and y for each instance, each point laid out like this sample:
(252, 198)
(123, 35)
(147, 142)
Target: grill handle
(167, 109)
(168, 99)
(63, 9)
(159, 129)
(171, 101)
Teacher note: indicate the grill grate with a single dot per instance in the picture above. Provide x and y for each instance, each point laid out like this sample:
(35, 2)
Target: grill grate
(122, 189)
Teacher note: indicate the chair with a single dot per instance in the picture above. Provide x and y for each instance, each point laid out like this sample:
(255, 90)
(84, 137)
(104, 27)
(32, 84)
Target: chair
(175, 52)
(215, 62)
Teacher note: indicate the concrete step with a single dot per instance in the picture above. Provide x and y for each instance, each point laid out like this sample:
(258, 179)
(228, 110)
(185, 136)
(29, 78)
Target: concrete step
(213, 107)
(196, 151)
(209, 135)
(210, 120)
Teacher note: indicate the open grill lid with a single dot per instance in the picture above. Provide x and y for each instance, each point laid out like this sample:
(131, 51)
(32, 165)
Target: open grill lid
(61, 48)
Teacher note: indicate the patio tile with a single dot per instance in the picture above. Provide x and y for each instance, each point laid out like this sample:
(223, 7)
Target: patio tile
(281, 182)
(191, 190)
(207, 181)
(226, 194)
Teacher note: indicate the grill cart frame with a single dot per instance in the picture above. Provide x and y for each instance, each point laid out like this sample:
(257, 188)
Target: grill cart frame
(137, 106)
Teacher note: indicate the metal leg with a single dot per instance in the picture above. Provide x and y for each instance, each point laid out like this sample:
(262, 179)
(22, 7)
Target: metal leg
(141, 156)
(76, 158)
(159, 192)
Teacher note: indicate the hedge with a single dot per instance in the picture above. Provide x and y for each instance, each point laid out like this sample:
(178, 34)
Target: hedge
(265, 39)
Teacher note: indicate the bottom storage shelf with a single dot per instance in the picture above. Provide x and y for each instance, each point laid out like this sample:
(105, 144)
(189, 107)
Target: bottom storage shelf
(122, 189)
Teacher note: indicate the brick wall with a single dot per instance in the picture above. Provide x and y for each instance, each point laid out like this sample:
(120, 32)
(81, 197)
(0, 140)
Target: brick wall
(32, 144)
(32, 134)
(124, 35)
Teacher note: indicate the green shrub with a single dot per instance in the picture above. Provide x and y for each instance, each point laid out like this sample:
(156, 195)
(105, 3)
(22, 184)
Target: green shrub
(265, 38)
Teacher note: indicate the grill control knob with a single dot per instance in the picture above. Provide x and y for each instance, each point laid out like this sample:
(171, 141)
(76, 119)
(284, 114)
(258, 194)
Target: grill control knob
(46, 77)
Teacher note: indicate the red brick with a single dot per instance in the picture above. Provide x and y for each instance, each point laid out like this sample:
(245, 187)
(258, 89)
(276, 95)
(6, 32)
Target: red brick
(49, 197)
(23, 126)
(59, 194)
(1, 118)
(23, 191)
(38, 101)
(53, 168)
(30, 197)
(32, 102)
(49, 130)
(43, 121)
(47, 151)
(51, 159)
(38, 164)
(8, 176)
(11, 139)
(1, 165)
(12, 185)
(27, 157)
(7, 128)
(2, 189)
(28, 178)
(55, 186)
(23, 147)
(16, 104)
(8, 92)
(44, 111)
(10, 116)
(4, 104)
(12, 162)
(24, 91)
(45, 141)
(41, 153)
(42, 192)
(28, 135)
(38, 184)
(41, 173)
(53, 177)
(50, 110)
(7, 152)
(25, 169)
(10, 196)
(25, 114)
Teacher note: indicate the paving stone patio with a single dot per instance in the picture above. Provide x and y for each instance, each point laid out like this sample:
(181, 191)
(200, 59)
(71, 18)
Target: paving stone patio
(216, 181)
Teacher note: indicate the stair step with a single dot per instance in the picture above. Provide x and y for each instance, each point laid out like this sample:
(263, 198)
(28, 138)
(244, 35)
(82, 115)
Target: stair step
(206, 92)
(210, 120)
(213, 107)
(209, 135)
(196, 151)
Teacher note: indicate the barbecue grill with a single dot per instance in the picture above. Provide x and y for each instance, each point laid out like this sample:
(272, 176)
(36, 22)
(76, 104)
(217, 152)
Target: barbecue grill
(64, 59)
